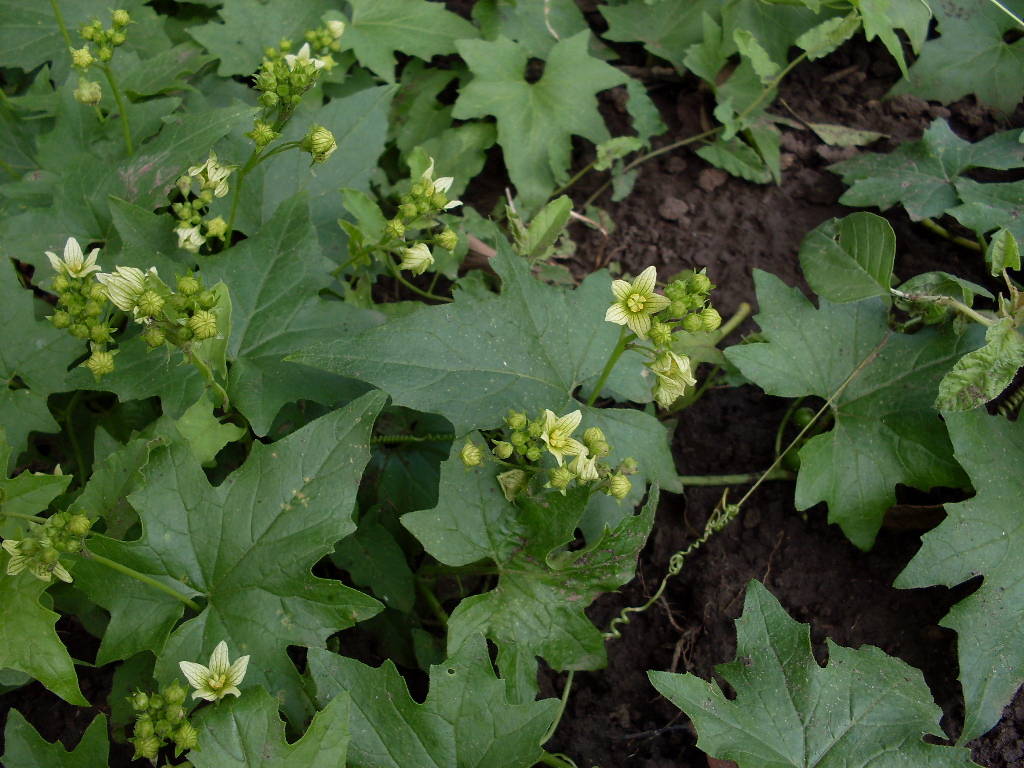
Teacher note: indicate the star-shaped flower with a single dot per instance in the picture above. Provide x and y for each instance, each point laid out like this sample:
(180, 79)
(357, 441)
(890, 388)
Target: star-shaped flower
(636, 302)
(674, 376)
(219, 679)
(417, 259)
(441, 185)
(557, 435)
(302, 57)
(125, 285)
(74, 263)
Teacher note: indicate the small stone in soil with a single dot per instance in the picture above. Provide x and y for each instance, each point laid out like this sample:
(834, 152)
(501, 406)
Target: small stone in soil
(711, 179)
(673, 209)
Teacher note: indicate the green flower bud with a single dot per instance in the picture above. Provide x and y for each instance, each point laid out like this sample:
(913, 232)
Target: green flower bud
(319, 142)
(79, 331)
(661, 333)
(335, 28)
(188, 285)
(512, 482)
(162, 728)
(100, 333)
(88, 92)
(216, 227)
(106, 53)
(419, 188)
(96, 292)
(100, 363)
(592, 435)
(269, 99)
(417, 259)
(518, 438)
(179, 303)
(49, 556)
(154, 336)
(471, 455)
(207, 300)
(92, 309)
(516, 420)
(619, 486)
(502, 450)
(263, 133)
(395, 229)
(174, 694)
(79, 525)
(120, 18)
(61, 283)
(144, 724)
(185, 738)
(118, 38)
(533, 453)
(203, 325)
(61, 319)
(600, 449)
(206, 196)
(629, 466)
(676, 290)
(447, 239)
(408, 210)
(156, 701)
(285, 45)
(438, 200)
(150, 303)
(423, 207)
(147, 747)
(710, 318)
(86, 32)
(560, 478)
(81, 57)
(678, 308)
(693, 324)
(140, 703)
(700, 283)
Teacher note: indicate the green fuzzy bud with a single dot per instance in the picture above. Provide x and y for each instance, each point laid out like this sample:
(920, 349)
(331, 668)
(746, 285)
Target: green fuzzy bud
(156, 701)
(395, 229)
(120, 18)
(216, 227)
(319, 142)
(700, 283)
(269, 99)
(263, 133)
(678, 308)
(518, 438)
(184, 334)
(140, 703)
(676, 290)
(693, 324)
(629, 466)
(206, 196)
(79, 525)
(285, 45)
(100, 334)
(408, 210)
(600, 449)
(89, 92)
(150, 303)
(502, 450)
(591, 436)
(49, 556)
(419, 188)
(100, 363)
(560, 478)
(447, 239)
(471, 455)
(79, 331)
(438, 200)
(207, 300)
(619, 487)
(96, 292)
(710, 319)
(118, 38)
(106, 53)
(61, 283)
(188, 285)
(533, 453)
(61, 319)
(203, 325)
(179, 303)
(81, 57)
(516, 420)
(154, 336)
(146, 747)
(144, 725)
(185, 738)
(163, 728)
(423, 207)
(174, 694)
(86, 32)
(92, 309)
(661, 333)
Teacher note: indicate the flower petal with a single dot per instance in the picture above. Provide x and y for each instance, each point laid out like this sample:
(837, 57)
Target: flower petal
(237, 671)
(57, 264)
(639, 323)
(196, 674)
(569, 422)
(73, 253)
(617, 314)
(220, 664)
(646, 281)
(655, 303)
(621, 289)
(443, 184)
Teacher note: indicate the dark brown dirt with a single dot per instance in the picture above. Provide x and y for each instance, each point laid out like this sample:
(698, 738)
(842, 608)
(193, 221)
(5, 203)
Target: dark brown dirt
(685, 214)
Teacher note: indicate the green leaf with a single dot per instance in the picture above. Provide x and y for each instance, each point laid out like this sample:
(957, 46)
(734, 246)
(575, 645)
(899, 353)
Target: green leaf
(921, 174)
(821, 40)
(378, 28)
(1003, 253)
(466, 720)
(375, 560)
(34, 357)
(536, 121)
(529, 348)
(537, 607)
(762, 63)
(250, 26)
(247, 732)
(886, 430)
(863, 710)
(842, 136)
(25, 748)
(536, 24)
(164, 72)
(205, 434)
(26, 494)
(646, 117)
(970, 56)
(546, 227)
(738, 158)
(247, 546)
(849, 259)
(990, 206)
(983, 374)
(28, 641)
(667, 29)
(980, 536)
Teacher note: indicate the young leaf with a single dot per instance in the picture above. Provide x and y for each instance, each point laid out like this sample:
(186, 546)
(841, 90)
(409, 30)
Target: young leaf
(886, 430)
(982, 536)
(546, 227)
(25, 748)
(749, 47)
(248, 546)
(466, 720)
(537, 607)
(536, 121)
(990, 206)
(1003, 253)
(970, 56)
(247, 732)
(205, 434)
(983, 374)
(738, 158)
(863, 710)
(821, 40)
(849, 259)
(667, 29)
(26, 494)
(921, 174)
(535, 24)
(378, 28)
(28, 641)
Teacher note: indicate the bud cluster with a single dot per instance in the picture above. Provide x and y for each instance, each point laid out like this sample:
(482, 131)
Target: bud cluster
(523, 443)
(40, 550)
(416, 210)
(99, 46)
(212, 177)
(159, 718)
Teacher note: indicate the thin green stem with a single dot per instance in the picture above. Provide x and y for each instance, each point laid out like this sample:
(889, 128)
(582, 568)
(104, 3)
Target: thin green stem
(943, 232)
(6, 167)
(583, 172)
(211, 382)
(613, 358)
(125, 127)
(952, 303)
(730, 325)
(472, 569)
(397, 274)
(561, 707)
(255, 159)
(145, 580)
(60, 23)
(737, 479)
(555, 761)
(402, 439)
(19, 516)
(432, 602)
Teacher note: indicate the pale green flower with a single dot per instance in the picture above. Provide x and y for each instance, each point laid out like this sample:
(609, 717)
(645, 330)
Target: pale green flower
(336, 28)
(512, 482)
(125, 285)
(417, 259)
(557, 435)
(190, 238)
(636, 302)
(219, 679)
(42, 571)
(303, 57)
(441, 185)
(674, 376)
(74, 263)
(585, 468)
(212, 175)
